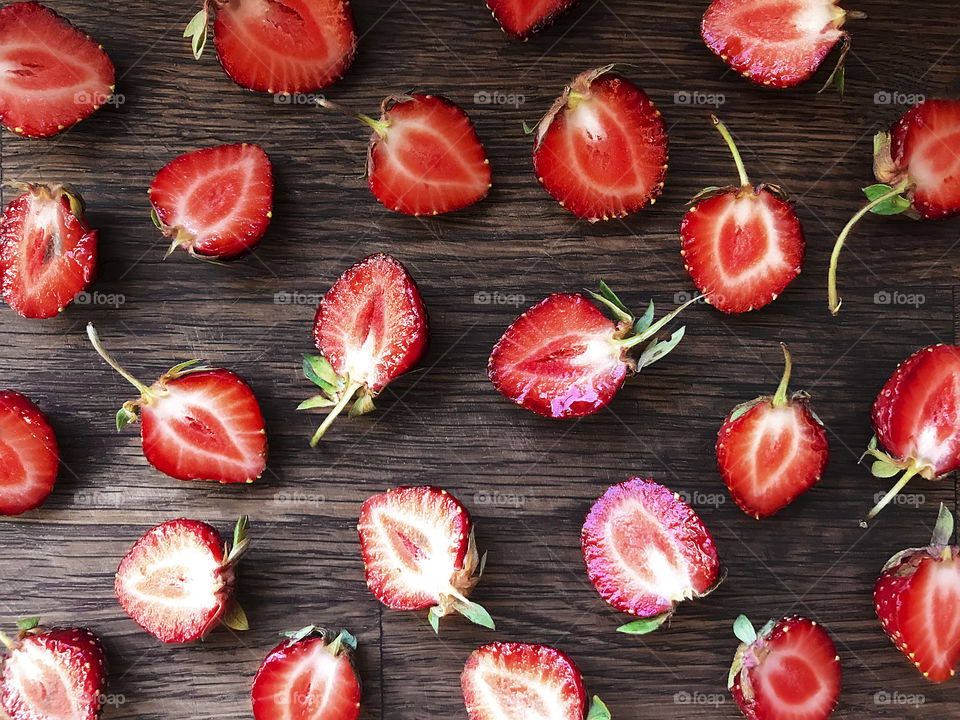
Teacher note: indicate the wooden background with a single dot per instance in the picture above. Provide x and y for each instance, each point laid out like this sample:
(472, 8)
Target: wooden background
(528, 481)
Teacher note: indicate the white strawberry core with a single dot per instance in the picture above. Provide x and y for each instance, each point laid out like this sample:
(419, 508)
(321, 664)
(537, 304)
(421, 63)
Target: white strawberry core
(44, 684)
(361, 362)
(529, 700)
(813, 18)
(184, 579)
(598, 352)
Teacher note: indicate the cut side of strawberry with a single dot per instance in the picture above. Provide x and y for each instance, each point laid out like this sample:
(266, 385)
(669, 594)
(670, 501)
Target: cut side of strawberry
(647, 550)
(55, 674)
(523, 18)
(53, 74)
(29, 456)
(196, 422)
(47, 253)
(309, 676)
(370, 328)
(741, 245)
(790, 669)
(419, 552)
(772, 450)
(177, 581)
(778, 43)
(215, 202)
(601, 150)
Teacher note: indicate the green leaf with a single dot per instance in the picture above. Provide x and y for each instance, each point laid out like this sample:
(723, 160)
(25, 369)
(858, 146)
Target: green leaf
(894, 206)
(644, 625)
(241, 540)
(943, 530)
(433, 617)
(234, 617)
(156, 219)
(882, 469)
(196, 30)
(644, 321)
(317, 401)
(598, 710)
(125, 417)
(744, 630)
(655, 351)
(178, 369)
(474, 613)
(316, 372)
(362, 405)
(527, 130)
(28, 623)
(346, 638)
(609, 298)
(483, 564)
(298, 635)
(840, 80)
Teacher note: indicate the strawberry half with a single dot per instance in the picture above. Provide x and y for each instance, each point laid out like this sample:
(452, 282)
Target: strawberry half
(772, 450)
(196, 422)
(370, 328)
(215, 202)
(741, 245)
(917, 167)
(424, 156)
(53, 673)
(309, 675)
(294, 46)
(177, 582)
(419, 552)
(647, 550)
(789, 670)
(47, 253)
(29, 456)
(523, 18)
(916, 419)
(53, 75)
(601, 150)
(564, 358)
(777, 43)
(519, 680)
(917, 597)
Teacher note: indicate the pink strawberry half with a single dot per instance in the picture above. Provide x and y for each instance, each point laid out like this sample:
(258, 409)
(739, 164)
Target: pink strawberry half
(524, 18)
(29, 456)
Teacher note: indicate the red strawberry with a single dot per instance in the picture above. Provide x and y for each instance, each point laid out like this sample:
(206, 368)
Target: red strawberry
(917, 166)
(778, 43)
(47, 252)
(424, 156)
(54, 75)
(916, 419)
(564, 358)
(370, 328)
(601, 150)
(524, 18)
(297, 46)
(790, 670)
(196, 422)
(419, 552)
(53, 673)
(772, 450)
(309, 675)
(518, 680)
(917, 597)
(29, 456)
(177, 582)
(741, 245)
(647, 550)
(214, 202)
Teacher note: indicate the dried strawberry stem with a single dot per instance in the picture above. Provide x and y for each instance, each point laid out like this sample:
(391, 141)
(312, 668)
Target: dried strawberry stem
(892, 493)
(741, 170)
(780, 397)
(95, 339)
(337, 409)
(379, 126)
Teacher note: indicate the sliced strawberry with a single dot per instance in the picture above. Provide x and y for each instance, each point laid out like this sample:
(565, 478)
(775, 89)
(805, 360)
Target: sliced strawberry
(53, 74)
(177, 581)
(524, 18)
(196, 423)
(772, 450)
(309, 676)
(370, 328)
(29, 457)
(647, 550)
(779, 43)
(55, 674)
(601, 150)
(419, 552)
(47, 253)
(789, 670)
(215, 202)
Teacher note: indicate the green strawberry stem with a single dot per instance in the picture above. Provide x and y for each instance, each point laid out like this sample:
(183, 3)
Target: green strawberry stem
(892, 493)
(95, 339)
(741, 170)
(379, 126)
(337, 409)
(630, 341)
(780, 398)
(6, 641)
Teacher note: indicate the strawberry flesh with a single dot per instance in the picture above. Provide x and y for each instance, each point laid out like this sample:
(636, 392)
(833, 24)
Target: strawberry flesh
(29, 456)
(523, 18)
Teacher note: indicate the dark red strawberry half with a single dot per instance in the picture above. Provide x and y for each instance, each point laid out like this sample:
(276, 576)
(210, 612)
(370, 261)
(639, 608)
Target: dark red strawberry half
(917, 597)
(370, 328)
(777, 43)
(215, 202)
(916, 420)
(564, 358)
(177, 582)
(52, 674)
(47, 253)
(646, 550)
(308, 676)
(524, 18)
(601, 150)
(790, 669)
(294, 46)
(419, 552)
(196, 422)
(772, 450)
(29, 456)
(53, 76)
(742, 245)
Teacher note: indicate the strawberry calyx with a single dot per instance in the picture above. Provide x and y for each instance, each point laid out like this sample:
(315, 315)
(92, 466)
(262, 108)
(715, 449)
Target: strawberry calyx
(53, 192)
(342, 643)
(26, 627)
(233, 615)
(885, 465)
(645, 625)
(938, 549)
(598, 710)
(378, 126)
(336, 392)
(196, 29)
(454, 598)
(180, 237)
(751, 652)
